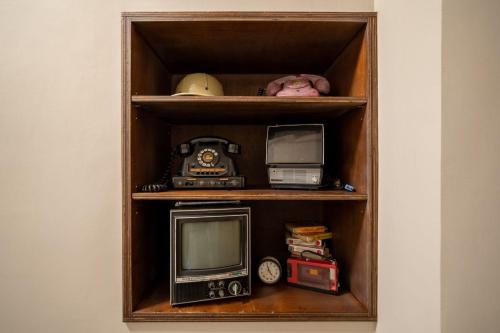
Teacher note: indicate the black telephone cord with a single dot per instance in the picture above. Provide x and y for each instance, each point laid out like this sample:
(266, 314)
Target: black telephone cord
(162, 184)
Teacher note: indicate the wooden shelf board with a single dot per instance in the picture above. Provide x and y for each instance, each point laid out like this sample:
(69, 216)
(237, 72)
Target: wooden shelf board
(248, 108)
(250, 194)
(278, 302)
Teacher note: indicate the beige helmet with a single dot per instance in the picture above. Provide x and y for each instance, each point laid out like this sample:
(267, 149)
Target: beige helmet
(199, 84)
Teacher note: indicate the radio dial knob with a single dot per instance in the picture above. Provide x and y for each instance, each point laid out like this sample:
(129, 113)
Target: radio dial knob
(234, 288)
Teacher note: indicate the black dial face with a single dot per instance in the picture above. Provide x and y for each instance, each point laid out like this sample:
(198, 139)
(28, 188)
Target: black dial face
(207, 157)
(269, 271)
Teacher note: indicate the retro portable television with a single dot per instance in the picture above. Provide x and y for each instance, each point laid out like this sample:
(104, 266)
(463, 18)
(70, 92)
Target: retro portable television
(210, 251)
(295, 155)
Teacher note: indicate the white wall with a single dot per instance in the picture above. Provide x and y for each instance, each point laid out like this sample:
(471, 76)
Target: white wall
(409, 153)
(60, 211)
(471, 165)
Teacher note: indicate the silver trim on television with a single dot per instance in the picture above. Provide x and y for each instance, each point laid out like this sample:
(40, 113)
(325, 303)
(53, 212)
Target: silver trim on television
(188, 279)
(214, 299)
(298, 176)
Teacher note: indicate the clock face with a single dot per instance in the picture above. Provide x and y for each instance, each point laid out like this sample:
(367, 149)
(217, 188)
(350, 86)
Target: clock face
(269, 271)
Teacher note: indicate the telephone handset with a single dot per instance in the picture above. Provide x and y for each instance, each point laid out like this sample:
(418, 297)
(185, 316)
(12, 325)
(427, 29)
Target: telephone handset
(206, 164)
(185, 148)
(299, 85)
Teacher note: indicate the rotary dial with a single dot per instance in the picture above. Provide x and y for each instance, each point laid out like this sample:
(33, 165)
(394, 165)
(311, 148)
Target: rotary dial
(269, 270)
(207, 157)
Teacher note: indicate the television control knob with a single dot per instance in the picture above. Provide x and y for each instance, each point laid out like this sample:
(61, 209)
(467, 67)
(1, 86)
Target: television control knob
(211, 285)
(221, 293)
(211, 294)
(221, 284)
(234, 288)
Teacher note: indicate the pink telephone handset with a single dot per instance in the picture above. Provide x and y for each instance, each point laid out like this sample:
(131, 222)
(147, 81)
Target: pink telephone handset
(299, 85)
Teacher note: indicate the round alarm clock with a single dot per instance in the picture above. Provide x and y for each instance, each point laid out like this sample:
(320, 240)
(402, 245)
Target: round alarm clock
(269, 270)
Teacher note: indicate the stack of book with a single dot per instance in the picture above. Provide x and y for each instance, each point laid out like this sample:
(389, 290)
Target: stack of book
(308, 240)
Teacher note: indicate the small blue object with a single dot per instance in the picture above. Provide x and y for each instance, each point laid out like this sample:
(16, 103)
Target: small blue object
(349, 188)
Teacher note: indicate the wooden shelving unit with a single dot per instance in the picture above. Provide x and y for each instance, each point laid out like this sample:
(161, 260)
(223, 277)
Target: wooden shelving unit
(245, 51)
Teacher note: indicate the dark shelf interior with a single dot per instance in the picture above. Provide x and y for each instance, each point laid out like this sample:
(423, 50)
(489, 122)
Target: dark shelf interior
(346, 220)
(254, 46)
(164, 52)
(155, 136)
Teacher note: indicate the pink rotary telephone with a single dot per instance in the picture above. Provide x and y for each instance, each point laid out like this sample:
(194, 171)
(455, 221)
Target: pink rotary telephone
(299, 85)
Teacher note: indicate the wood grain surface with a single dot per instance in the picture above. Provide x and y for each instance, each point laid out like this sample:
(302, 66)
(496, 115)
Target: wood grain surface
(277, 302)
(250, 194)
(247, 109)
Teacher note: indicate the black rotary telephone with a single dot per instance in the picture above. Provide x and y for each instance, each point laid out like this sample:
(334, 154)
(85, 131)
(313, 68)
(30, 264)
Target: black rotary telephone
(207, 157)
(206, 164)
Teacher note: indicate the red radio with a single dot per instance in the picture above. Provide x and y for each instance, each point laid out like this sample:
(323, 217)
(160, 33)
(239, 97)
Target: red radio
(319, 275)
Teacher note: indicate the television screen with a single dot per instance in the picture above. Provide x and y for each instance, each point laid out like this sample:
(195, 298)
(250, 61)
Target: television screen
(301, 144)
(210, 244)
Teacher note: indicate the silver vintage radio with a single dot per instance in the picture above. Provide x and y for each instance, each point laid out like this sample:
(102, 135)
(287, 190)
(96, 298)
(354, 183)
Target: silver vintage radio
(295, 155)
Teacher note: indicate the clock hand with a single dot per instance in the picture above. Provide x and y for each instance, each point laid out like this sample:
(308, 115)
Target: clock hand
(269, 269)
